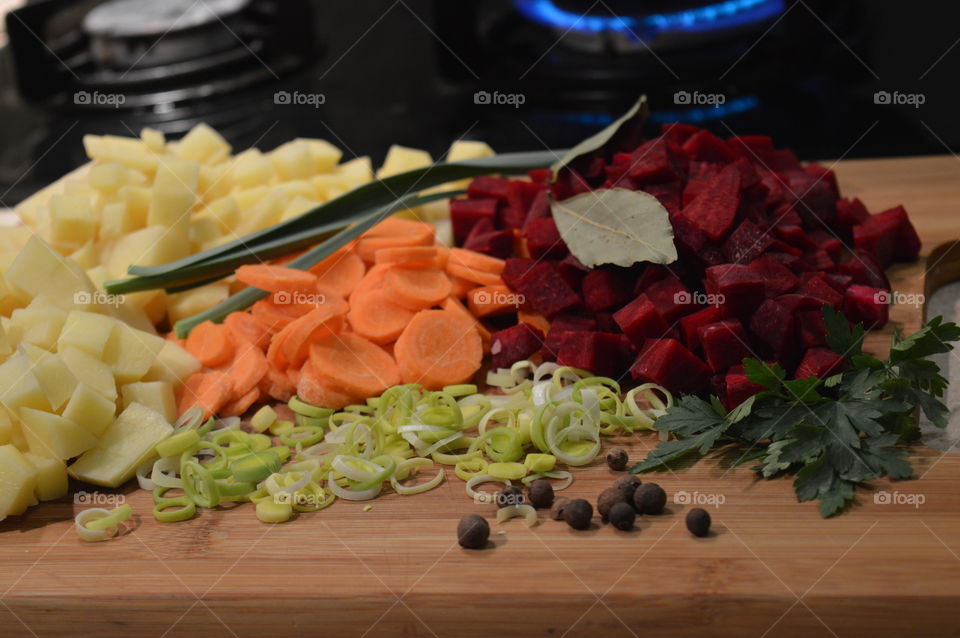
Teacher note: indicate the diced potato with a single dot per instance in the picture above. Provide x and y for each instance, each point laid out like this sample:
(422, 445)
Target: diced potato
(247, 198)
(18, 481)
(90, 409)
(296, 188)
(203, 145)
(33, 353)
(185, 304)
(142, 247)
(92, 371)
(156, 395)
(325, 155)
(130, 352)
(18, 387)
(51, 475)
(174, 195)
(468, 149)
(130, 152)
(55, 379)
(297, 207)
(40, 270)
(86, 256)
(87, 331)
(128, 443)
(108, 177)
(155, 140)
(11, 298)
(174, 365)
(214, 181)
(6, 345)
(138, 200)
(39, 326)
(400, 159)
(13, 238)
(53, 435)
(292, 160)
(250, 169)
(204, 230)
(224, 210)
(7, 427)
(116, 220)
(359, 169)
(264, 213)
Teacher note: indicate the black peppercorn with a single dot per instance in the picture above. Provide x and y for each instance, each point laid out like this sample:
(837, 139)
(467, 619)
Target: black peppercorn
(607, 499)
(556, 512)
(578, 513)
(627, 484)
(473, 531)
(541, 494)
(617, 459)
(510, 495)
(622, 516)
(649, 499)
(698, 522)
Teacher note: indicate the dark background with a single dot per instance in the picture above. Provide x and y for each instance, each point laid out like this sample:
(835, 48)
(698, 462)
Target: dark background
(406, 72)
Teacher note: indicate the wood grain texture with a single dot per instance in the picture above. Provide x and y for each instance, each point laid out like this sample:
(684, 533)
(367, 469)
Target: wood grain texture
(772, 567)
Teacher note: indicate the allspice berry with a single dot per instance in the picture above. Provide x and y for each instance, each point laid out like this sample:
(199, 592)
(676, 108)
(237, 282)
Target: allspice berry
(559, 504)
(698, 521)
(607, 499)
(510, 495)
(622, 516)
(540, 494)
(627, 484)
(578, 513)
(617, 459)
(473, 531)
(649, 499)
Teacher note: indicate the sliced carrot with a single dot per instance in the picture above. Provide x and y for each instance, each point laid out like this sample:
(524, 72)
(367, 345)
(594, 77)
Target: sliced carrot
(367, 247)
(247, 368)
(395, 226)
(417, 288)
(341, 271)
(245, 328)
(490, 301)
(311, 327)
(241, 404)
(418, 255)
(277, 384)
(373, 280)
(455, 305)
(470, 274)
(443, 255)
(534, 319)
(353, 365)
(460, 287)
(374, 316)
(211, 343)
(208, 390)
(437, 348)
(275, 278)
(272, 317)
(329, 297)
(476, 261)
(314, 391)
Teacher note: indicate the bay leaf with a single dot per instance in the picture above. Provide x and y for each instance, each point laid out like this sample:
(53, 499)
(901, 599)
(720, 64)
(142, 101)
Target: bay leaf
(615, 226)
(596, 142)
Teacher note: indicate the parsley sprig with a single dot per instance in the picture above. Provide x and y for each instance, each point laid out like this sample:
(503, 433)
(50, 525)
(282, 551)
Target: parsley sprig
(832, 433)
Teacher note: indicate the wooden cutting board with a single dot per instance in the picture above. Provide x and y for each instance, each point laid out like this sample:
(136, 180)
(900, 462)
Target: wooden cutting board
(772, 567)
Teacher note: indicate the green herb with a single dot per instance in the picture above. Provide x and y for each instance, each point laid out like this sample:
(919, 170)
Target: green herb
(833, 434)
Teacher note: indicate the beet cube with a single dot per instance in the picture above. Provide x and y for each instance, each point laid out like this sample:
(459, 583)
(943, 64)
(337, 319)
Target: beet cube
(888, 236)
(539, 208)
(667, 362)
(838, 281)
(867, 305)
(795, 236)
(656, 161)
(606, 323)
(724, 344)
(677, 132)
(746, 243)
(777, 278)
(669, 194)
(600, 352)
(820, 289)
(639, 320)
(738, 289)
(543, 239)
(515, 343)
(605, 289)
(671, 299)
(651, 273)
(816, 200)
(572, 270)
(466, 213)
(498, 243)
(691, 323)
(546, 291)
(702, 174)
(826, 241)
(714, 209)
(687, 236)
(739, 389)
(819, 362)
(787, 259)
(818, 260)
(705, 146)
(813, 331)
(514, 269)
(851, 212)
(864, 269)
(560, 326)
(796, 302)
(541, 176)
(486, 186)
(773, 325)
(520, 196)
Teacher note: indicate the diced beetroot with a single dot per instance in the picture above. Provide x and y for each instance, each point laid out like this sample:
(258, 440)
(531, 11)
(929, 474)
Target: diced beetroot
(671, 299)
(605, 289)
(788, 259)
(838, 281)
(753, 205)
(795, 236)
(651, 273)
(687, 236)
(813, 331)
(540, 175)
(466, 213)
(677, 132)
(746, 243)
(639, 320)
(783, 247)
(796, 302)
(702, 174)
(779, 160)
(818, 260)
(691, 323)
(773, 325)
(705, 146)
(864, 269)
(606, 323)
(777, 278)
(561, 325)
(714, 209)
(486, 186)
(546, 291)
(600, 352)
(827, 242)
(520, 196)
(786, 216)
(724, 344)
(654, 162)
(543, 239)
(539, 208)
(820, 289)
(514, 269)
(667, 362)
(851, 212)
(711, 255)
(819, 362)
(867, 305)
(825, 175)
(774, 186)
(888, 236)
(739, 288)
(817, 200)
(748, 145)
(748, 174)
(515, 343)
(738, 389)
(572, 271)
(498, 243)
(669, 194)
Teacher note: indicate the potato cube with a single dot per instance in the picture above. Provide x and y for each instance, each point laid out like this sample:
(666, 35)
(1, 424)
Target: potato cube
(51, 477)
(40, 270)
(18, 481)
(250, 169)
(55, 379)
(400, 159)
(18, 387)
(86, 256)
(292, 160)
(90, 370)
(53, 435)
(204, 230)
(297, 207)
(174, 365)
(264, 213)
(130, 152)
(7, 427)
(203, 145)
(39, 326)
(156, 395)
(107, 177)
(90, 409)
(155, 140)
(130, 352)
(189, 302)
(6, 345)
(87, 331)
(116, 220)
(137, 199)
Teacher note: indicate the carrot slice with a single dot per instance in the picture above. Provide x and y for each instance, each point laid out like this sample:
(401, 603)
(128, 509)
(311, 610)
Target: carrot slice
(241, 404)
(489, 301)
(211, 343)
(327, 296)
(314, 391)
(418, 288)
(476, 261)
(443, 255)
(375, 317)
(438, 348)
(367, 247)
(395, 226)
(373, 280)
(423, 256)
(245, 328)
(353, 365)
(341, 271)
(470, 274)
(534, 319)
(276, 384)
(455, 305)
(247, 368)
(275, 278)
(208, 390)
(460, 287)
(311, 327)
